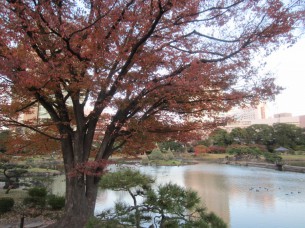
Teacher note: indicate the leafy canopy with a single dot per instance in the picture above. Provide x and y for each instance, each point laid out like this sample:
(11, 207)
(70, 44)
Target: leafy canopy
(99, 76)
(279, 134)
(146, 61)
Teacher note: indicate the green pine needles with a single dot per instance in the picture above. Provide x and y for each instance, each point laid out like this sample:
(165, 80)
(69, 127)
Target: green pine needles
(167, 205)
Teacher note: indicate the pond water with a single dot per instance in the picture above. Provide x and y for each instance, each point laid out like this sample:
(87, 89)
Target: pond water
(241, 196)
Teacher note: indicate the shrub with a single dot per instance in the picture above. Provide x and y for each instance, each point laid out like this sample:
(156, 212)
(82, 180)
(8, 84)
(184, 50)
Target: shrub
(156, 154)
(190, 150)
(217, 149)
(168, 155)
(35, 201)
(300, 148)
(37, 197)
(244, 150)
(172, 145)
(37, 192)
(56, 202)
(145, 161)
(6, 204)
(200, 149)
(272, 158)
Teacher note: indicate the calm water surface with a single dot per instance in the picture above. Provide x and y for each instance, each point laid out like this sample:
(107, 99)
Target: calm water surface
(244, 197)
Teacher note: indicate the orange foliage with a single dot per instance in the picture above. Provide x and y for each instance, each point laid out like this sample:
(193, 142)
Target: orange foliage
(147, 70)
(201, 149)
(144, 80)
(31, 144)
(168, 76)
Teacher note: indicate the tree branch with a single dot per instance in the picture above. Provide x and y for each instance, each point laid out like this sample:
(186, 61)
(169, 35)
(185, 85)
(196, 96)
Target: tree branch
(17, 123)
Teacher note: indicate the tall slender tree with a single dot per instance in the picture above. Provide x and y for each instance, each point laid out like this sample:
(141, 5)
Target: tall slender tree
(145, 67)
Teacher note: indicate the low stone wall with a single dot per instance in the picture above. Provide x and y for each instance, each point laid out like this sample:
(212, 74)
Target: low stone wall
(291, 168)
(288, 168)
(263, 165)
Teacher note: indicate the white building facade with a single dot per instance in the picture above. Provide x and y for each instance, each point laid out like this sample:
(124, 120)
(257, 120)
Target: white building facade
(250, 116)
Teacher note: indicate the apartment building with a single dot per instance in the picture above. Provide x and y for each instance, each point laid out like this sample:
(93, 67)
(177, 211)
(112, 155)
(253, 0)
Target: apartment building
(250, 116)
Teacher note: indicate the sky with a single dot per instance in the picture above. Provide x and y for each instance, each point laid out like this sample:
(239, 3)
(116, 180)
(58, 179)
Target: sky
(288, 66)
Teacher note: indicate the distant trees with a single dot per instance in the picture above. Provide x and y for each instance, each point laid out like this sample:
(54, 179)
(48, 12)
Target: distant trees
(288, 135)
(271, 137)
(239, 135)
(221, 137)
(172, 145)
(280, 134)
(262, 134)
(249, 152)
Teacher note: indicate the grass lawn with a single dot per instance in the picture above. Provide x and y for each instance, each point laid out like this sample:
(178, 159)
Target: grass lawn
(166, 162)
(296, 160)
(40, 170)
(215, 156)
(210, 157)
(289, 159)
(17, 194)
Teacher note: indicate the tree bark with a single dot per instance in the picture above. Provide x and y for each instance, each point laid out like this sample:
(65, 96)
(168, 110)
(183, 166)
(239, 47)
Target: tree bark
(81, 189)
(81, 195)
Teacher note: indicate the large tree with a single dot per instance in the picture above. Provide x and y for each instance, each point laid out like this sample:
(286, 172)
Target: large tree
(144, 67)
(221, 137)
(262, 134)
(288, 135)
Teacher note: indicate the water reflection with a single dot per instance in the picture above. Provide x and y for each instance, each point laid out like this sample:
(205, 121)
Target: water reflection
(242, 196)
(58, 186)
(251, 197)
(212, 188)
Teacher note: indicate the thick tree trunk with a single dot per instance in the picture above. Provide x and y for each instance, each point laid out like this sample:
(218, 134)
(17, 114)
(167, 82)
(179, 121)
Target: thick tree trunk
(81, 184)
(81, 192)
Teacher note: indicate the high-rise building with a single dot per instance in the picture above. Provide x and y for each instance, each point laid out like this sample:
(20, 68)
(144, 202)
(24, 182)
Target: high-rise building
(249, 116)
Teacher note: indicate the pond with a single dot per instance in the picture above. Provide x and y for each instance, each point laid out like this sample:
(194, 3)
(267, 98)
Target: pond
(241, 196)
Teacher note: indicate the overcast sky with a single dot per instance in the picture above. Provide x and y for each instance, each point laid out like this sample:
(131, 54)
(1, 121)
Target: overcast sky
(288, 66)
